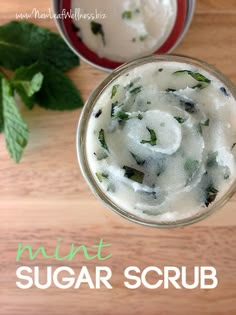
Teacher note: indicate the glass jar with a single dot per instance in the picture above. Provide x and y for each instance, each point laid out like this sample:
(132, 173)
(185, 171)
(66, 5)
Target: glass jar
(81, 140)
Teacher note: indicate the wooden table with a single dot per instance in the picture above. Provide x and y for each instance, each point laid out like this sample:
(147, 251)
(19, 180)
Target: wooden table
(45, 197)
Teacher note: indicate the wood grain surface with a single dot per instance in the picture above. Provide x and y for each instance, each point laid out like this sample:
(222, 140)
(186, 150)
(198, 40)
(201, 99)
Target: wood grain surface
(45, 197)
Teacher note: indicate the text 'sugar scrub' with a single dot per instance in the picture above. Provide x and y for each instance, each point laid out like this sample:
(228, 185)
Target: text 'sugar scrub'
(160, 140)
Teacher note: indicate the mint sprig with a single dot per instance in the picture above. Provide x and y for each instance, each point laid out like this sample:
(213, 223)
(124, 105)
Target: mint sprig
(23, 43)
(15, 128)
(38, 58)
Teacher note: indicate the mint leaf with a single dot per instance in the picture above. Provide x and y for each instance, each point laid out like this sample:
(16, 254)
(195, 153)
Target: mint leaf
(1, 108)
(180, 119)
(16, 130)
(27, 84)
(114, 90)
(196, 75)
(153, 137)
(127, 15)
(211, 194)
(101, 176)
(102, 140)
(57, 92)
(23, 43)
(97, 29)
(133, 174)
(30, 86)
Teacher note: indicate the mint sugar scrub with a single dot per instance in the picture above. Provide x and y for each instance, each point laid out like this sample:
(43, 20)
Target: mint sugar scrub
(157, 140)
(131, 28)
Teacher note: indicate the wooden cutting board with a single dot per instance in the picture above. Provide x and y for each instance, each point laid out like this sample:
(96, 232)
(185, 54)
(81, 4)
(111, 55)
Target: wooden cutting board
(45, 198)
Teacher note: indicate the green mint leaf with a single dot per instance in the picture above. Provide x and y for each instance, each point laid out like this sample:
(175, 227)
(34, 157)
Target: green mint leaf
(27, 83)
(211, 194)
(15, 129)
(58, 92)
(101, 176)
(30, 86)
(153, 137)
(98, 113)
(102, 140)
(133, 174)
(114, 90)
(1, 106)
(135, 90)
(127, 15)
(191, 166)
(206, 123)
(196, 75)
(180, 119)
(170, 90)
(97, 29)
(122, 116)
(143, 37)
(224, 91)
(189, 106)
(23, 43)
(138, 160)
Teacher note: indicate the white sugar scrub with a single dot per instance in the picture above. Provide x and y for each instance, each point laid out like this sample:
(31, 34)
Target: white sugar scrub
(160, 141)
(131, 28)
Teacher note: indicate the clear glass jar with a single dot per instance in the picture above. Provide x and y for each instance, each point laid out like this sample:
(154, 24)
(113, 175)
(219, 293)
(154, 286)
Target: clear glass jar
(81, 140)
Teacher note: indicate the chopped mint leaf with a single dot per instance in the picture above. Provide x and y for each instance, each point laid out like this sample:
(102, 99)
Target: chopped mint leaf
(189, 106)
(211, 159)
(113, 105)
(23, 43)
(134, 174)
(97, 29)
(170, 90)
(206, 123)
(211, 194)
(180, 119)
(140, 116)
(114, 90)
(191, 166)
(149, 102)
(102, 140)
(101, 176)
(15, 129)
(200, 86)
(224, 91)
(160, 69)
(137, 10)
(196, 75)
(122, 115)
(127, 15)
(138, 160)
(98, 113)
(143, 37)
(233, 145)
(136, 90)
(153, 137)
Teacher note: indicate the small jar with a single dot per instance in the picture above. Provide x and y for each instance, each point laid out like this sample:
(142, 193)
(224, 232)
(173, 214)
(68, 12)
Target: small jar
(88, 113)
